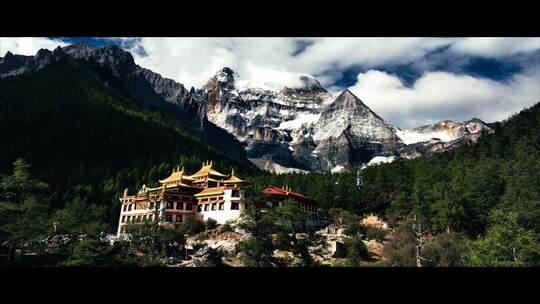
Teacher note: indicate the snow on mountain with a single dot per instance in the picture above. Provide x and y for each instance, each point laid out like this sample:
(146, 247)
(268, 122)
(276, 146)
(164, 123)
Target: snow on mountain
(302, 119)
(444, 131)
(348, 112)
(440, 137)
(275, 168)
(377, 160)
(338, 169)
(298, 128)
(305, 128)
(412, 137)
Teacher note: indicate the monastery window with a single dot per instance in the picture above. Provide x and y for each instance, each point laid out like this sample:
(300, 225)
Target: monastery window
(199, 208)
(235, 193)
(123, 219)
(151, 205)
(178, 218)
(168, 218)
(221, 206)
(214, 207)
(206, 207)
(170, 205)
(130, 207)
(235, 206)
(189, 206)
(179, 206)
(125, 208)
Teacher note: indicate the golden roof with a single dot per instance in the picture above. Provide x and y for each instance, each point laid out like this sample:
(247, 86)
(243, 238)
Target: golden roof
(207, 170)
(176, 176)
(234, 180)
(181, 185)
(205, 180)
(210, 191)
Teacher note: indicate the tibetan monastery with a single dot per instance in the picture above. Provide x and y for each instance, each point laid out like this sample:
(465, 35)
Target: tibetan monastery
(205, 194)
(276, 196)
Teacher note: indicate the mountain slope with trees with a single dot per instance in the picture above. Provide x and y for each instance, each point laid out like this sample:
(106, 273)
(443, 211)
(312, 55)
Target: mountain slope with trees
(88, 141)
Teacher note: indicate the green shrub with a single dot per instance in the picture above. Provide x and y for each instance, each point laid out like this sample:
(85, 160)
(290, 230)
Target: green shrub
(446, 250)
(400, 249)
(191, 226)
(373, 233)
(356, 251)
(211, 223)
(404, 256)
(345, 219)
(201, 237)
(228, 226)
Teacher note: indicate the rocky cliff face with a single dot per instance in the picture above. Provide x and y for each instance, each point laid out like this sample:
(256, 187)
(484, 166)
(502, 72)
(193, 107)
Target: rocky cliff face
(298, 129)
(349, 133)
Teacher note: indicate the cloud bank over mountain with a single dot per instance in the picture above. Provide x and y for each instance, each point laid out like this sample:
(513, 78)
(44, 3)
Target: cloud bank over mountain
(379, 69)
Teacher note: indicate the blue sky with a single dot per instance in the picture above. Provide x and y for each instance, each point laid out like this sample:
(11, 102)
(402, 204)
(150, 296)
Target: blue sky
(408, 81)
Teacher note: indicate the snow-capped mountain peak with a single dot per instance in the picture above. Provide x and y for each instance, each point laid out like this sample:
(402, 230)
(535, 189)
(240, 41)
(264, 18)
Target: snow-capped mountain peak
(349, 112)
(295, 128)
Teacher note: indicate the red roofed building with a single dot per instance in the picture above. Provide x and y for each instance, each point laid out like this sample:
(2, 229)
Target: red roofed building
(276, 197)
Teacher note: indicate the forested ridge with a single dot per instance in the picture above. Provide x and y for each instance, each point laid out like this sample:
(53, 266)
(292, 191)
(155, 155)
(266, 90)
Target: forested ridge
(484, 198)
(88, 142)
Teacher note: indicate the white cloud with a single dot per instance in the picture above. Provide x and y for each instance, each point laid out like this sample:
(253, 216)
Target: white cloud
(347, 52)
(495, 47)
(440, 95)
(271, 60)
(27, 45)
(193, 60)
